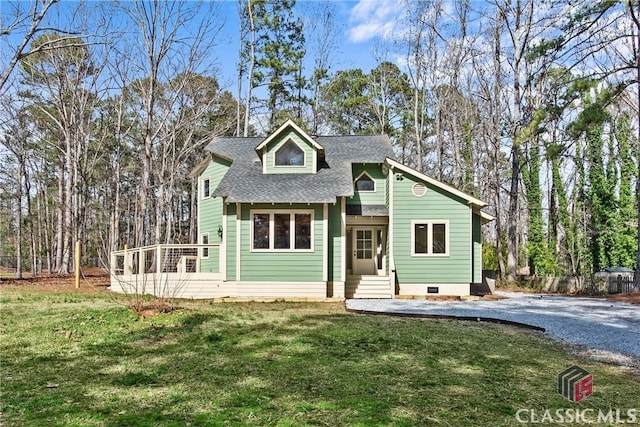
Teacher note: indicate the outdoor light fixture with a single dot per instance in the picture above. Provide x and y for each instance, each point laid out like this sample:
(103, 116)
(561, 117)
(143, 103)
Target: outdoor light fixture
(220, 231)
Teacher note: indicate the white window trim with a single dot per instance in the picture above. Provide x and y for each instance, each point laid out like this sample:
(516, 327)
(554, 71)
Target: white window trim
(282, 144)
(355, 181)
(202, 243)
(430, 223)
(203, 180)
(292, 236)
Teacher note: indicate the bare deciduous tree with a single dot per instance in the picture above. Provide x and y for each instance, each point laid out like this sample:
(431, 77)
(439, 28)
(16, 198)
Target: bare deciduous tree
(177, 43)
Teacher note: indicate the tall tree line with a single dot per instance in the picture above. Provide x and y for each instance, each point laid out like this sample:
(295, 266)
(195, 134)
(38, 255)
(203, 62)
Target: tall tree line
(531, 106)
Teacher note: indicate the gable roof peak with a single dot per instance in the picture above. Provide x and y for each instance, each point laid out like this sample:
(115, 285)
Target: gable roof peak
(290, 124)
(470, 199)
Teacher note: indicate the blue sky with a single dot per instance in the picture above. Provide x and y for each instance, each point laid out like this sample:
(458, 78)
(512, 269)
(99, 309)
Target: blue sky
(361, 25)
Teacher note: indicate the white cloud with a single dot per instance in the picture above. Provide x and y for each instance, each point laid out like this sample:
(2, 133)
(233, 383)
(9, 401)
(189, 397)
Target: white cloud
(373, 18)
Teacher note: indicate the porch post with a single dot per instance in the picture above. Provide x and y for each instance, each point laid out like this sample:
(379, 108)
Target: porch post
(392, 263)
(338, 282)
(325, 242)
(142, 267)
(158, 259)
(239, 238)
(125, 262)
(222, 249)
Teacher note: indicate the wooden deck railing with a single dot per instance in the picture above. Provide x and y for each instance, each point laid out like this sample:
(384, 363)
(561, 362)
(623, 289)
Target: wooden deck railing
(166, 259)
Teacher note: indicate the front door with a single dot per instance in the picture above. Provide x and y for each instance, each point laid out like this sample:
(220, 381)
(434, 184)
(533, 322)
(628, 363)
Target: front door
(364, 261)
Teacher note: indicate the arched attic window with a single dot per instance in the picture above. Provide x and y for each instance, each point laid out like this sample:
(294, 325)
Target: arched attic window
(289, 154)
(364, 183)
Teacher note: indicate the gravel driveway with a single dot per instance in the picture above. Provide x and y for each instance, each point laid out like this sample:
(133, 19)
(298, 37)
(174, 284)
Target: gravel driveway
(594, 323)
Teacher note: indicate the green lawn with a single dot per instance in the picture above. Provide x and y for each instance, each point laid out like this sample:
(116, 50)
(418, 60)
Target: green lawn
(81, 359)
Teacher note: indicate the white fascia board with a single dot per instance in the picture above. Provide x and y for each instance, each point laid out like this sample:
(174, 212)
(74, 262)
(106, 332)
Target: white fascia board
(295, 127)
(485, 217)
(472, 200)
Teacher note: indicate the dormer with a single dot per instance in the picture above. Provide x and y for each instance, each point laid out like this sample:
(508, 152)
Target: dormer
(289, 150)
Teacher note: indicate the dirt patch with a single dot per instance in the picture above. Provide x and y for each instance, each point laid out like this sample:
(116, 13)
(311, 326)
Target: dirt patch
(632, 298)
(91, 281)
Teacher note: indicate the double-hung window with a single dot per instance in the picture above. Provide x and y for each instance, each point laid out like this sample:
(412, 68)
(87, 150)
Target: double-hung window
(429, 238)
(282, 230)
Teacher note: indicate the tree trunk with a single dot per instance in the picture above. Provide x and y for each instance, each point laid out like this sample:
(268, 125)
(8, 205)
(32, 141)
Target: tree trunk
(59, 238)
(18, 273)
(456, 141)
(439, 142)
(193, 212)
(636, 278)
(497, 132)
(519, 39)
(512, 215)
(252, 61)
(239, 103)
(68, 208)
(31, 215)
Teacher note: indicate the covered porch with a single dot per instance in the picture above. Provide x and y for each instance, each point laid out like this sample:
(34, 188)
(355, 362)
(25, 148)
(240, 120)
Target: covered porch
(367, 262)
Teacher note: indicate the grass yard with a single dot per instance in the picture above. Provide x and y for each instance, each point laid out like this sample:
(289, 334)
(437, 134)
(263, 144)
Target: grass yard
(81, 359)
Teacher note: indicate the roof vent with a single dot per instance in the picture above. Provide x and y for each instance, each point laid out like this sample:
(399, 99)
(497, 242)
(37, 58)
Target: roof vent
(419, 189)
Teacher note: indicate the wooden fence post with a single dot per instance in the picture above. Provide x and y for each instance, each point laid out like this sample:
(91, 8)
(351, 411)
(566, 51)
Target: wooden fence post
(77, 264)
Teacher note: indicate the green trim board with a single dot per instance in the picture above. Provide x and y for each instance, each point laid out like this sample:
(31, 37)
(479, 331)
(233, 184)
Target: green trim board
(335, 243)
(476, 254)
(231, 233)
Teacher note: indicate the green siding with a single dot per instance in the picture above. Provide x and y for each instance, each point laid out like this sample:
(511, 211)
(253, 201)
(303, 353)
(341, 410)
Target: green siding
(231, 242)
(435, 205)
(281, 266)
(211, 264)
(335, 242)
(477, 249)
(369, 198)
(273, 146)
(210, 212)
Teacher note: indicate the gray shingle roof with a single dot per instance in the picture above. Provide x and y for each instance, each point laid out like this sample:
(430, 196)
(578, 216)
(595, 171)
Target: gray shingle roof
(244, 181)
(367, 210)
